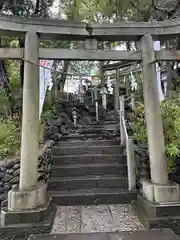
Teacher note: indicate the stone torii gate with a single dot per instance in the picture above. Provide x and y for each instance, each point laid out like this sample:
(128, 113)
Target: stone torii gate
(28, 202)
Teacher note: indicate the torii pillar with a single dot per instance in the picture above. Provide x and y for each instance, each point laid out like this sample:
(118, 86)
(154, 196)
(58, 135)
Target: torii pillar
(28, 203)
(160, 189)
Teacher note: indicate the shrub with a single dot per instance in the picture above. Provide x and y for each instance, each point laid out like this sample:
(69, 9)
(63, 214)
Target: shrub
(9, 138)
(170, 110)
(138, 124)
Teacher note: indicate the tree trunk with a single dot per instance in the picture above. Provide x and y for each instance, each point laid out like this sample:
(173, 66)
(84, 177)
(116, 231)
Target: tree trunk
(21, 45)
(7, 88)
(101, 63)
(7, 83)
(64, 74)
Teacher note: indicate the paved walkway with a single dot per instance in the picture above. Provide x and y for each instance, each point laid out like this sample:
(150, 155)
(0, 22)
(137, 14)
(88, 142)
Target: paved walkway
(137, 235)
(101, 218)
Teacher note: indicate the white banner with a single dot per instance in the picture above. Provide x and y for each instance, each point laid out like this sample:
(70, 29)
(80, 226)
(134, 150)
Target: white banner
(45, 79)
(157, 47)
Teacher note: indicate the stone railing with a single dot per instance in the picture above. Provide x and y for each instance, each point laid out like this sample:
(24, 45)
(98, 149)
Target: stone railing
(128, 143)
(10, 170)
(137, 154)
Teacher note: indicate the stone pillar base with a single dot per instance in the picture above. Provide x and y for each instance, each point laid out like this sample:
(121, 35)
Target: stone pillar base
(28, 212)
(27, 199)
(155, 215)
(161, 194)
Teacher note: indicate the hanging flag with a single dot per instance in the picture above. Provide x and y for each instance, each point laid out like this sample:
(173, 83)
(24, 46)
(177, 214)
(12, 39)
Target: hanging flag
(157, 47)
(45, 79)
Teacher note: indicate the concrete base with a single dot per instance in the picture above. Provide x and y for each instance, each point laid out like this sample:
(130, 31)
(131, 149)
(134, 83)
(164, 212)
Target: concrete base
(27, 199)
(153, 215)
(20, 224)
(28, 212)
(161, 193)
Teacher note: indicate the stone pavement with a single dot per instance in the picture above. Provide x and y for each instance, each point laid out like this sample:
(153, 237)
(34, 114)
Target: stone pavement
(101, 218)
(138, 235)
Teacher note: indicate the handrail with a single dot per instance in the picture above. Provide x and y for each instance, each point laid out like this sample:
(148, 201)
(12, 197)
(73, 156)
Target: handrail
(128, 143)
(124, 126)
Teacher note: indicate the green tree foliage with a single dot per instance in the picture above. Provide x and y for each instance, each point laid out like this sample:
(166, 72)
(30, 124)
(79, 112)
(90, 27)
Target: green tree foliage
(27, 8)
(9, 137)
(170, 110)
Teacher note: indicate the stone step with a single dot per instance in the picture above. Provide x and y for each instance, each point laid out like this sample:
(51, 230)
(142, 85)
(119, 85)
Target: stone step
(101, 126)
(91, 131)
(88, 169)
(104, 123)
(92, 196)
(87, 150)
(98, 130)
(90, 158)
(70, 183)
(155, 234)
(89, 143)
(99, 136)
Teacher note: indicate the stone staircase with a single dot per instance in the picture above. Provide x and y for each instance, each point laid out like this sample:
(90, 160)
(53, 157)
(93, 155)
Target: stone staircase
(90, 167)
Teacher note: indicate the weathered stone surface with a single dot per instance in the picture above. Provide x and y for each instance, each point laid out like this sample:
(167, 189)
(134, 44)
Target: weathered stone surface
(9, 164)
(3, 196)
(4, 203)
(1, 174)
(67, 219)
(2, 190)
(163, 234)
(2, 168)
(16, 166)
(14, 180)
(142, 163)
(118, 217)
(10, 171)
(22, 231)
(96, 219)
(7, 187)
(16, 172)
(7, 178)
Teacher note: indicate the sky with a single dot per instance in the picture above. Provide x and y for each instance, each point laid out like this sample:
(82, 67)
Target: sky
(55, 8)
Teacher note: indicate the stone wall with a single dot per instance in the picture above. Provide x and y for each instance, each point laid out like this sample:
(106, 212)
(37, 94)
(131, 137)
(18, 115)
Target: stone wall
(10, 170)
(142, 164)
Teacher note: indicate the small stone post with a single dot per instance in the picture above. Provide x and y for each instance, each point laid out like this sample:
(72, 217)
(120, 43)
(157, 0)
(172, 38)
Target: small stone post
(121, 115)
(116, 97)
(103, 92)
(74, 114)
(92, 95)
(30, 120)
(96, 103)
(158, 162)
(81, 96)
(132, 102)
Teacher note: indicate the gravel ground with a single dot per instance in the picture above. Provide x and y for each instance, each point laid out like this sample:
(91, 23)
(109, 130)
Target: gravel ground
(101, 218)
